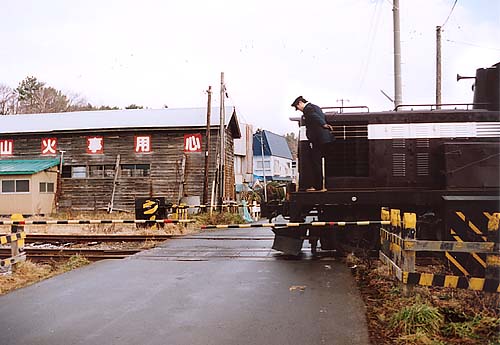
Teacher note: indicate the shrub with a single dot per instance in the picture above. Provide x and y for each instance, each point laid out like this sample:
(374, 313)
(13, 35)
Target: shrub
(219, 218)
(415, 318)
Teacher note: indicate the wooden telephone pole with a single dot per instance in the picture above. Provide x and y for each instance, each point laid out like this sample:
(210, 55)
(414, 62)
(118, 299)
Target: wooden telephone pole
(207, 147)
(222, 137)
(438, 67)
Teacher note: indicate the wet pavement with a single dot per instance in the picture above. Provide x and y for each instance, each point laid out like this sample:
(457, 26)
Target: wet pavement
(217, 287)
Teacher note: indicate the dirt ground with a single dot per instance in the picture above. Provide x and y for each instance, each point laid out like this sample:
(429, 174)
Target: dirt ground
(430, 315)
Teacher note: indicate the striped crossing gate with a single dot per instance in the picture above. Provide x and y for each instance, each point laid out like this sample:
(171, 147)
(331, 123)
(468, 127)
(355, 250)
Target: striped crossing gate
(471, 219)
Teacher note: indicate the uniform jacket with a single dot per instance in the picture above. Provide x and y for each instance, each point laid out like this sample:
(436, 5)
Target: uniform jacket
(314, 119)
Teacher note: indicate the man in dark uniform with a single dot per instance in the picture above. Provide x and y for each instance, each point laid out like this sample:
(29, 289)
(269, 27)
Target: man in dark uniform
(319, 133)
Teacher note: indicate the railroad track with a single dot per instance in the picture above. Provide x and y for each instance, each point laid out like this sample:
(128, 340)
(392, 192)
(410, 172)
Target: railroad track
(79, 238)
(44, 254)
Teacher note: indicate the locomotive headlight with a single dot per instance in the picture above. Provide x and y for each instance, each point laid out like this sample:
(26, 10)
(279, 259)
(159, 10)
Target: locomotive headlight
(354, 199)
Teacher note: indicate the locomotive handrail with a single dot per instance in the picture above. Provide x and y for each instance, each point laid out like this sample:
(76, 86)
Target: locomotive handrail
(432, 105)
(348, 107)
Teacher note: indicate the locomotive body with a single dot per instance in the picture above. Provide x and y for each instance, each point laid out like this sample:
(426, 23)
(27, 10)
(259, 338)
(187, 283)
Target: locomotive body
(419, 160)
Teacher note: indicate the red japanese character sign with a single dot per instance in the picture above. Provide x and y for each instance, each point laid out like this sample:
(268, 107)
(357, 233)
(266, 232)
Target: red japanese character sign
(192, 142)
(95, 145)
(6, 147)
(142, 144)
(49, 146)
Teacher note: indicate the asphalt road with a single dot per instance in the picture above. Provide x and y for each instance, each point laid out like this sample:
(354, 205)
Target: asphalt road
(222, 288)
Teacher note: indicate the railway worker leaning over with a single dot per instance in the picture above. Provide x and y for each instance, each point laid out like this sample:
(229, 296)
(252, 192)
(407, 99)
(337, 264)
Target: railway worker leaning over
(319, 133)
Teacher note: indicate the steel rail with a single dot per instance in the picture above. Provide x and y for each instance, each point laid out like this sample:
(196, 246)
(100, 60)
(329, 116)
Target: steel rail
(96, 221)
(79, 238)
(58, 253)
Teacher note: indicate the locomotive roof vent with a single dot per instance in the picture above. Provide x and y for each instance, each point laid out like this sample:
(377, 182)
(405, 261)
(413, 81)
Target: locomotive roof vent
(487, 88)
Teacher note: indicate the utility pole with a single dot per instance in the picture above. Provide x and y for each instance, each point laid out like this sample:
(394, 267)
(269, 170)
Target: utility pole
(397, 55)
(222, 137)
(261, 132)
(342, 104)
(207, 146)
(438, 67)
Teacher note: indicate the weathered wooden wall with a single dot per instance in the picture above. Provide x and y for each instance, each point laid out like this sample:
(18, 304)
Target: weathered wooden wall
(165, 166)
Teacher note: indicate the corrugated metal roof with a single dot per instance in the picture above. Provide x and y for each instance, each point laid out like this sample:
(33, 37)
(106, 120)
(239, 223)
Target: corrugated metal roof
(26, 166)
(112, 119)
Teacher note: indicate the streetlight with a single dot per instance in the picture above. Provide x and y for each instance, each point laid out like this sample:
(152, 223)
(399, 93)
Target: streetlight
(261, 132)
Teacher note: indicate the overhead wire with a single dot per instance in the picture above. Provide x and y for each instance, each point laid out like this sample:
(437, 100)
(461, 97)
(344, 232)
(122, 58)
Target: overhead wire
(472, 44)
(233, 102)
(449, 15)
(372, 33)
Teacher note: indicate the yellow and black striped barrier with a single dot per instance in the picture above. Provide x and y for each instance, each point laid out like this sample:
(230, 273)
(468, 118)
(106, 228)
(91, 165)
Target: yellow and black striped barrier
(16, 240)
(451, 281)
(12, 260)
(290, 225)
(96, 221)
(209, 206)
(12, 237)
(176, 221)
(399, 245)
(440, 280)
(438, 246)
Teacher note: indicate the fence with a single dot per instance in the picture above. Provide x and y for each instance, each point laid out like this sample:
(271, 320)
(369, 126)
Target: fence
(156, 208)
(16, 240)
(399, 245)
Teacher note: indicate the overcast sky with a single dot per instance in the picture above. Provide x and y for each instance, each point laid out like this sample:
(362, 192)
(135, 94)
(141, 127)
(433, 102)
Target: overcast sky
(153, 52)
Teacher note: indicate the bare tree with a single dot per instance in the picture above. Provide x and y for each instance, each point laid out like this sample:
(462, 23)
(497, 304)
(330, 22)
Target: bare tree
(8, 100)
(292, 141)
(78, 103)
(50, 100)
(33, 97)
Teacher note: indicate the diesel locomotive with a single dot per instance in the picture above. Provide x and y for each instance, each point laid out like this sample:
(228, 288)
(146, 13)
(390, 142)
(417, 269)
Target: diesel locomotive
(438, 161)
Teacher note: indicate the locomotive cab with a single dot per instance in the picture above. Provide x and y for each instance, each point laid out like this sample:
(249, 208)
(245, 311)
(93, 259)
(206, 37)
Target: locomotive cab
(415, 158)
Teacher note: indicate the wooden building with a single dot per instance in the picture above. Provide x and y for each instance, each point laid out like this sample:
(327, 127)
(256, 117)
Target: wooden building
(122, 155)
(27, 186)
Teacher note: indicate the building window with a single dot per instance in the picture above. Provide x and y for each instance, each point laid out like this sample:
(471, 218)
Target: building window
(90, 171)
(237, 164)
(66, 171)
(267, 165)
(46, 187)
(105, 171)
(135, 170)
(15, 186)
(8, 186)
(101, 171)
(78, 171)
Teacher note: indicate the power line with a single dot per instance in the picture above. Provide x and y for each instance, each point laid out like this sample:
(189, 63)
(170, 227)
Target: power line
(452, 8)
(372, 33)
(473, 45)
(240, 113)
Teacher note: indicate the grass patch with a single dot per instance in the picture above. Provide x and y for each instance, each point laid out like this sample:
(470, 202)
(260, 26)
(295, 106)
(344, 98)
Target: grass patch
(419, 338)
(434, 316)
(73, 262)
(29, 272)
(218, 218)
(474, 328)
(417, 318)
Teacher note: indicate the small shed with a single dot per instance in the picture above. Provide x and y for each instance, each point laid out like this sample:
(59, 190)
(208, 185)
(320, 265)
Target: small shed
(28, 186)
